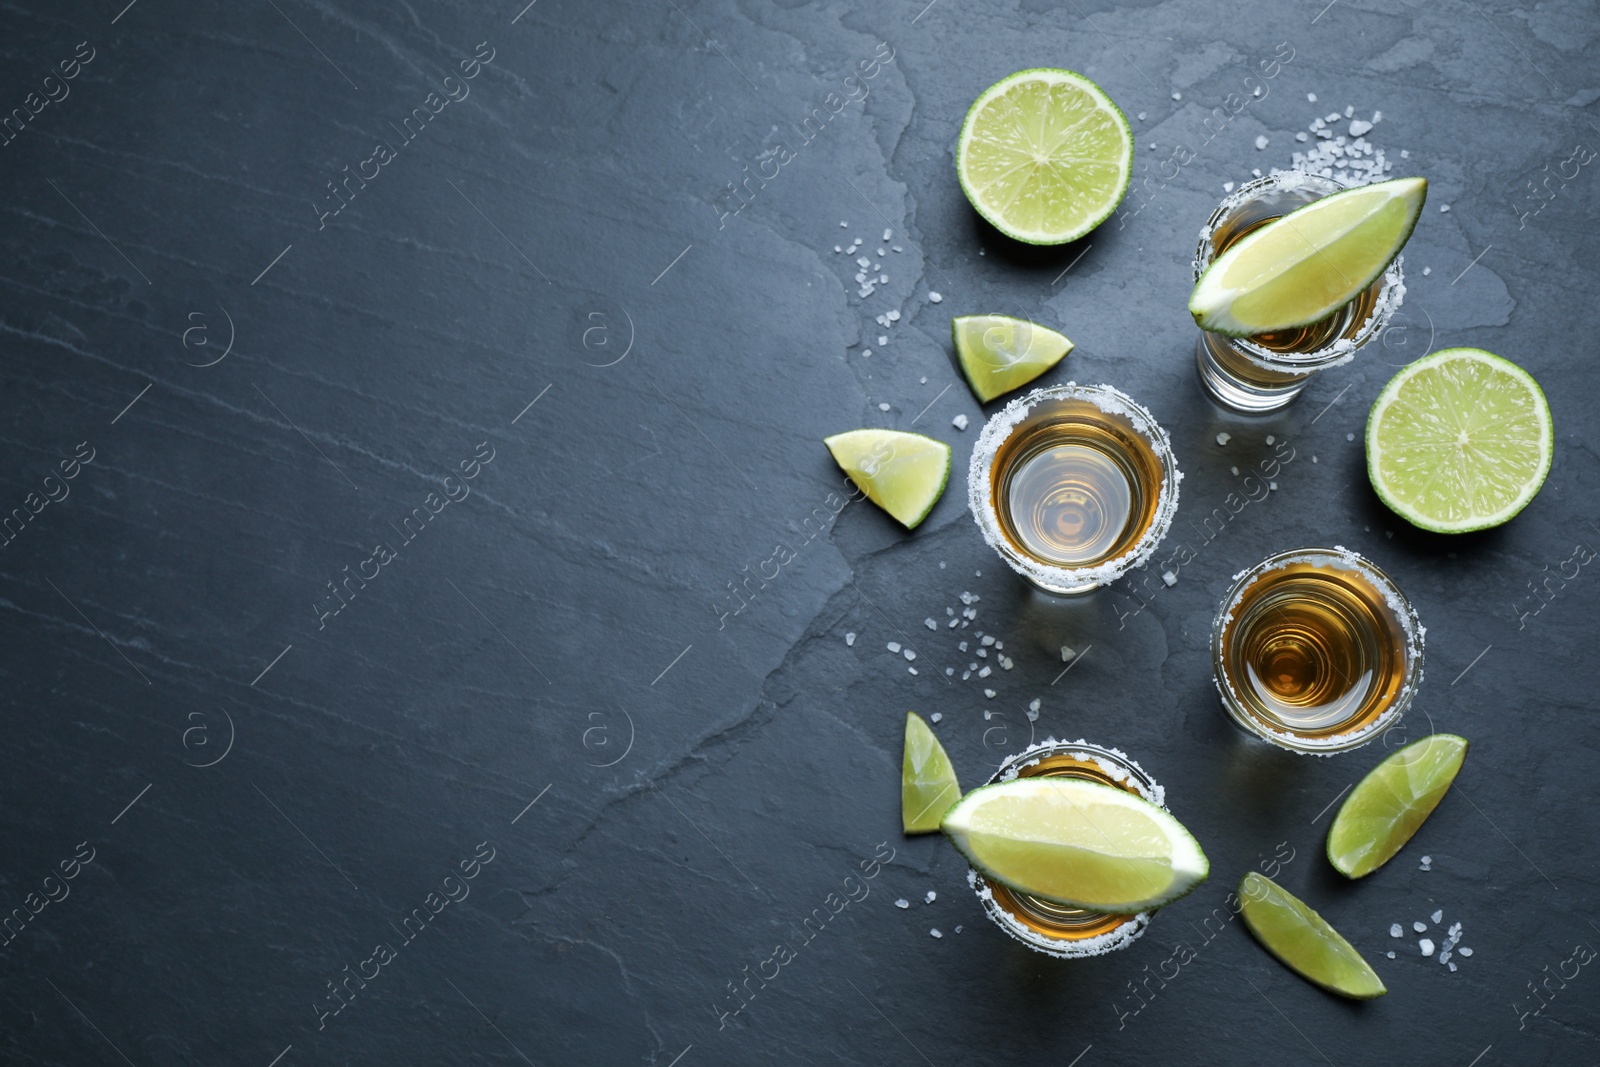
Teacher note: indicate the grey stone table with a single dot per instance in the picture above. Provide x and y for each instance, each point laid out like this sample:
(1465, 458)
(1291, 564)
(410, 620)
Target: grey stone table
(426, 597)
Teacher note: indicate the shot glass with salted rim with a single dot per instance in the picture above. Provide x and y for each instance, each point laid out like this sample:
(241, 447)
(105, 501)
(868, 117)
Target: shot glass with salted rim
(1056, 929)
(1263, 373)
(1073, 485)
(1316, 650)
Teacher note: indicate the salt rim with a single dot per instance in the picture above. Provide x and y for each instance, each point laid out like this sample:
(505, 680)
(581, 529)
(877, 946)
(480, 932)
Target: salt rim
(1120, 767)
(1120, 937)
(980, 499)
(1415, 633)
(1343, 349)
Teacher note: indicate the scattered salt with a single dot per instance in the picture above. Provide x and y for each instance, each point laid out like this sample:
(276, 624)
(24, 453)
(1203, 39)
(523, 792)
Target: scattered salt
(1169, 578)
(931, 897)
(887, 234)
(959, 422)
(1426, 946)
(1273, 486)
(893, 646)
(1359, 127)
(988, 692)
(1465, 951)
(1177, 96)
(1438, 915)
(987, 640)
(1419, 927)
(1224, 438)
(849, 639)
(883, 407)
(1066, 653)
(934, 298)
(936, 716)
(902, 903)
(1235, 471)
(930, 624)
(909, 655)
(1349, 110)
(1390, 955)
(1034, 704)
(836, 248)
(1302, 136)
(1452, 966)
(1271, 439)
(1426, 271)
(985, 671)
(911, 670)
(883, 339)
(1261, 141)
(1227, 187)
(1349, 437)
(1444, 208)
(935, 932)
(1395, 931)
(1311, 97)
(1141, 116)
(844, 225)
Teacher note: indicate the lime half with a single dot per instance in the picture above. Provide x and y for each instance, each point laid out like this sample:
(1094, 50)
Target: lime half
(1079, 843)
(1303, 941)
(1459, 440)
(1309, 263)
(1045, 156)
(999, 353)
(902, 473)
(928, 786)
(1391, 803)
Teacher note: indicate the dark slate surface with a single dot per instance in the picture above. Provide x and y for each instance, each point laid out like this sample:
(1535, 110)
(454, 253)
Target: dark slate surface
(267, 788)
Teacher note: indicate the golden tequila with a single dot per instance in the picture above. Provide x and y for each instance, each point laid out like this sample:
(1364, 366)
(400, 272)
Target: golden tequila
(1316, 650)
(1073, 485)
(1057, 929)
(1265, 372)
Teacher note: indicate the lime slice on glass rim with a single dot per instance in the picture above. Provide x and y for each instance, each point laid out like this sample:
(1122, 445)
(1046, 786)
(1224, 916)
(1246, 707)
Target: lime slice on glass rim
(1045, 156)
(928, 785)
(1309, 263)
(1391, 803)
(902, 473)
(999, 353)
(1079, 843)
(1303, 941)
(1460, 440)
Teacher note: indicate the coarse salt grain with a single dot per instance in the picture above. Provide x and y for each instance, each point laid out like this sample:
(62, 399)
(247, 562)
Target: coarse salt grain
(849, 639)
(959, 422)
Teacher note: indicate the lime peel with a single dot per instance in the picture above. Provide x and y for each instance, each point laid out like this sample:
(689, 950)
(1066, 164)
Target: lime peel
(1392, 802)
(1303, 941)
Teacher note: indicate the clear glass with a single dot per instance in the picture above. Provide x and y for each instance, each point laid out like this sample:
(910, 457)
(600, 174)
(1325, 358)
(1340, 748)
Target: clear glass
(1316, 651)
(1073, 485)
(1054, 929)
(1263, 373)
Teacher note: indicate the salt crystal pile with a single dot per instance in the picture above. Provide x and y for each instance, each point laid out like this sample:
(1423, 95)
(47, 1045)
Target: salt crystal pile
(1347, 157)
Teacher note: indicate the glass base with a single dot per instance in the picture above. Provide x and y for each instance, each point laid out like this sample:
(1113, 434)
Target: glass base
(1253, 396)
(1063, 590)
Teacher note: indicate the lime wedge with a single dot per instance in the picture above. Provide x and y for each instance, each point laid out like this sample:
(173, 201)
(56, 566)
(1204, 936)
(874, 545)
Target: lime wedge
(928, 785)
(902, 473)
(1078, 843)
(1391, 803)
(1309, 263)
(1045, 156)
(1459, 440)
(999, 353)
(1303, 941)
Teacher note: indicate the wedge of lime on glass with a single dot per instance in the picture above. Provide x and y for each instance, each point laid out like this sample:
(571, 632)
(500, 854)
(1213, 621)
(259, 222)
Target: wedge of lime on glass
(1459, 440)
(1045, 156)
(928, 786)
(902, 473)
(1078, 843)
(999, 353)
(1303, 941)
(1391, 803)
(1309, 263)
